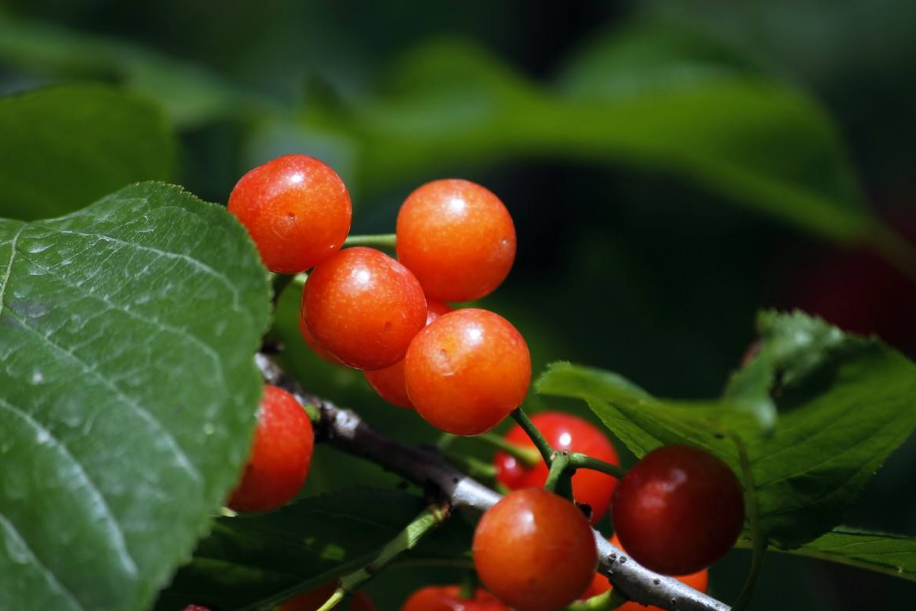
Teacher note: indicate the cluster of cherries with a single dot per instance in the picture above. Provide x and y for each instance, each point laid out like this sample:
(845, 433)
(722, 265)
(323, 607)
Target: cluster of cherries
(676, 512)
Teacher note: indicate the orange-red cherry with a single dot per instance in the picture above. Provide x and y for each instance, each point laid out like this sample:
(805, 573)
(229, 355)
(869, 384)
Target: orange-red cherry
(296, 209)
(363, 307)
(317, 348)
(448, 598)
(467, 371)
(280, 456)
(389, 382)
(600, 585)
(564, 432)
(313, 600)
(678, 510)
(535, 551)
(457, 238)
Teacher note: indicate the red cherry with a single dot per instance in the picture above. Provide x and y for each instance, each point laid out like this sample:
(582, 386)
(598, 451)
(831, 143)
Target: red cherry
(447, 598)
(389, 382)
(364, 307)
(467, 371)
(196, 608)
(312, 601)
(600, 585)
(678, 510)
(315, 346)
(564, 432)
(457, 237)
(280, 456)
(296, 209)
(535, 551)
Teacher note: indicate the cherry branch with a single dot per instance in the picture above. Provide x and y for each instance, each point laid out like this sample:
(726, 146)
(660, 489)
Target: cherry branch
(346, 431)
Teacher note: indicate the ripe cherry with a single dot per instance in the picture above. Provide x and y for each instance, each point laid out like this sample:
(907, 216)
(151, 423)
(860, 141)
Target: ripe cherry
(363, 307)
(457, 237)
(196, 608)
(313, 600)
(678, 510)
(296, 209)
(389, 382)
(467, 371)
(564, 432)
(280, 456)
(535, 551)
(448, 598)
(315, 346)
(600, 585)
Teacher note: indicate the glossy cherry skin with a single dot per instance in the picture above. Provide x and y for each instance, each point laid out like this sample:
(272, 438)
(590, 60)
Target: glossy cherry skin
(389, 382)
(280, 456)
(467, 371)
(535, 551)
(457, 238)
(600, 585)
(363, 307)
(678, 510)
(296, 209)
(317, 348)
(447, 598)
(564, 432)
(312, 601)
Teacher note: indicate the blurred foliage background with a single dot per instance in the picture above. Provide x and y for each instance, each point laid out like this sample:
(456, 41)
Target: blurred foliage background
(672, 166)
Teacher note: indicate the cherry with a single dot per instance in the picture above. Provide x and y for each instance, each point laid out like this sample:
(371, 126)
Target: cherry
(457, 237)
(448, 598)
(296, 209)
(678, 510)
(389, 382)
(467, 371)
(196, 608)
(363, 307)
(564, 432)
(315, 346)
(313, 600)
(600, 585)
(535, 551)
(280, 456)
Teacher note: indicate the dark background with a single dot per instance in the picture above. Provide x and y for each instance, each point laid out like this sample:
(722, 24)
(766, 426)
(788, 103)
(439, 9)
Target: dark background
(620, 265)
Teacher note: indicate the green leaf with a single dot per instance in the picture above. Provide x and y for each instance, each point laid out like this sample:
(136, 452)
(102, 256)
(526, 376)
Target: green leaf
(127, 393)
(65, 147)
(845, 404)
(251, 559)
(881, 552)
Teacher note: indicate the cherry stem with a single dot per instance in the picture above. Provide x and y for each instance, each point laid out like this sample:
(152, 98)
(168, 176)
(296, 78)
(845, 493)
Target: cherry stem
(612, 599)
(279, 282)
(384, 240)
(468, 586)
(559, 479)
(758, 537)
(529, 457)
(543, 446)
(406, 540)
(470, 465)
(583, 461)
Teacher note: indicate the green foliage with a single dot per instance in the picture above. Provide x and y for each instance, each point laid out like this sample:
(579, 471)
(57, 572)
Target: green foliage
(65, 147)
(127, 393)
(248, 560)
(845, 404)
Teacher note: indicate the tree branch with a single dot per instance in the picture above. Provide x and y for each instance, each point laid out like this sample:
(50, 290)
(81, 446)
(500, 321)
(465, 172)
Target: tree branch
(346, 431)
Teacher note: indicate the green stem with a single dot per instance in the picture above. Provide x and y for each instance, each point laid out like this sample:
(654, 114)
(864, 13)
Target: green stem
(543, 446)
(758, 537)
(299, 279)
(559, 479)
(407, 539)
(385, 240)
(468, 586)
(528, 457)
(583, 461)
(602, 602)
(474, 467)
(278, 283)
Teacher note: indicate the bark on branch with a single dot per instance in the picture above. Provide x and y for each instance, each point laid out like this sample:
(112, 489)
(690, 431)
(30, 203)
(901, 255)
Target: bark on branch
(346, 431)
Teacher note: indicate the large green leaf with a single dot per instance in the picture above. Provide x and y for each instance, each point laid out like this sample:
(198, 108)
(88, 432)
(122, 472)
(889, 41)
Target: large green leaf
(65, 147)
(249, 559)
(846, 403)
(127, 393)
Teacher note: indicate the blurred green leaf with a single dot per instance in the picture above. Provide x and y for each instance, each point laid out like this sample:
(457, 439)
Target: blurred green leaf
(846, 403)
(125, 414)
(248, 559)
(64, 147)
